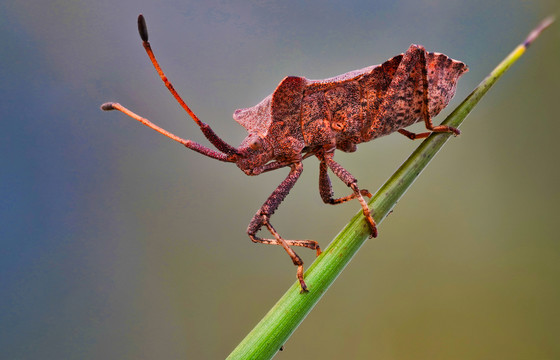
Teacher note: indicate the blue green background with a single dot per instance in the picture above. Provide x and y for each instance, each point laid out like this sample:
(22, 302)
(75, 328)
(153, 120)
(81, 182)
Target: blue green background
(116, 243)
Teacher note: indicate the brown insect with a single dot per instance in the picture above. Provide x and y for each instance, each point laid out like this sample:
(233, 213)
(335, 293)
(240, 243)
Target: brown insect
(305, 117)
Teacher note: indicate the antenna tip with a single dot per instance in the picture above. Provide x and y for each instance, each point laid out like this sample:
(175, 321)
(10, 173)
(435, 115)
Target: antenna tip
(142, 28)
(108, 106)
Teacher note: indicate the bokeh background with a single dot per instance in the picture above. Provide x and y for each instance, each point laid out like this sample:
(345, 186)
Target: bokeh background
(116, 243)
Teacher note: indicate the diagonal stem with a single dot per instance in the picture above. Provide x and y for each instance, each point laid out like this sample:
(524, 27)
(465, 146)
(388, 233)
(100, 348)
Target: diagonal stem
(268, 336)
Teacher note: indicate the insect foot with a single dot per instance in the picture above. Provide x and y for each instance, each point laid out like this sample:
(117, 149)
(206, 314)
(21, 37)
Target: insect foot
(365, 210)
(262, 220)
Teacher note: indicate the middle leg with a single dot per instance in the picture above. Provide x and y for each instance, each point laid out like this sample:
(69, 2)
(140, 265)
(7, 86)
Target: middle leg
(325, 187)
(326, 190)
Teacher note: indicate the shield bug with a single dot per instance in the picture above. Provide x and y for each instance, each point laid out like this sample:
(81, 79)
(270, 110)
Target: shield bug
(302, 118)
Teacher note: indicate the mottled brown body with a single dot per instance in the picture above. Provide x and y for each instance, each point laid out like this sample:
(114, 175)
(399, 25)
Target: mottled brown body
(354, 107)
(350, 102)
(315, 117)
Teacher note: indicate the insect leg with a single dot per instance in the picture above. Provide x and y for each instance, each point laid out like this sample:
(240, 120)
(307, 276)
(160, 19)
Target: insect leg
(425, 108)
(414, 136)
(425, 101)
(351, 182)
(326, 191)
(407, 98)
(262, 218)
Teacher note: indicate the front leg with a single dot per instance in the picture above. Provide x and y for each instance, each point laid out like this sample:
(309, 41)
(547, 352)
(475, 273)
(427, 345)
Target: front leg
(262, 218)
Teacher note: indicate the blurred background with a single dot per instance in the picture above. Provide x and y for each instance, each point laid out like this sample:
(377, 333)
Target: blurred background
(117, 243)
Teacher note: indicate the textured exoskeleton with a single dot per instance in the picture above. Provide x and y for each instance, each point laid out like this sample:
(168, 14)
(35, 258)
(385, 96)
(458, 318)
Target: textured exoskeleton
(315, 117)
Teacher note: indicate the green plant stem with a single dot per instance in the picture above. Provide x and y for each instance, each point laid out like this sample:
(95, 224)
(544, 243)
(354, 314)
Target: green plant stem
(268, 336)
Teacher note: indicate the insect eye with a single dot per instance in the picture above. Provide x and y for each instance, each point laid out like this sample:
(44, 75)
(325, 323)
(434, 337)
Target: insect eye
(255, 143)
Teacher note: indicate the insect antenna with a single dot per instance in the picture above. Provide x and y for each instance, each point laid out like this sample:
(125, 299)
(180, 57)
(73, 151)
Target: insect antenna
(205, 128)
(188, 143)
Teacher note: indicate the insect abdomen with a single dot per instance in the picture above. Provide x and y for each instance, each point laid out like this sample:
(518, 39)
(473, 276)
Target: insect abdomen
(341, 109)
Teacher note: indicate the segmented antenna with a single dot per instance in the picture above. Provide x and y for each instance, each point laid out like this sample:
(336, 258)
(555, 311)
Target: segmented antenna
(206, 130)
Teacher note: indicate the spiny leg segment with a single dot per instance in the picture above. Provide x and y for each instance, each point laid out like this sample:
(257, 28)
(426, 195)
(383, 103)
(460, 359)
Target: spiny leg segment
(262, 218)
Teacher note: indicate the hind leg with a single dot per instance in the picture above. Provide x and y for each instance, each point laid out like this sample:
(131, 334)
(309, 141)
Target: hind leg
(406, 99)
